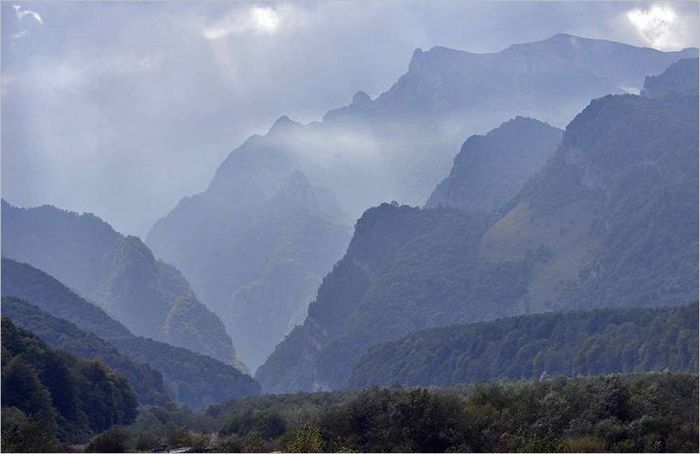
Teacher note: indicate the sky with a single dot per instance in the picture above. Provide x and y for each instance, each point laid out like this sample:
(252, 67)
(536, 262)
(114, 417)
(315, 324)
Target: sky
(123, 108)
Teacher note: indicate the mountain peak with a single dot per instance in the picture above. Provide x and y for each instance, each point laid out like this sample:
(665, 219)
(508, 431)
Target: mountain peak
(361, 99)
(283, 123)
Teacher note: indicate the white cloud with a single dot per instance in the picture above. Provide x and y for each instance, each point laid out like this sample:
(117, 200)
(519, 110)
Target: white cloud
(255, 19)
(658, 25)
(22, 12)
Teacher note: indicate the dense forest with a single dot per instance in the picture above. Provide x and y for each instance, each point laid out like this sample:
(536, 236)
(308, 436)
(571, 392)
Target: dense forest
(50, 396)
(193, 379)
(61, 334)
(534, 346)
(615, 413)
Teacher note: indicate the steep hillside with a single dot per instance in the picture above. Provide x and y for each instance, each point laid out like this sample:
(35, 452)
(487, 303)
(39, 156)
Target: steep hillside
(194, 379)
(259, 264)
(610, 221)
(118, 273)
(533, 346)
(60, 334)
(491, 169)
(395, 147)
(72, 398)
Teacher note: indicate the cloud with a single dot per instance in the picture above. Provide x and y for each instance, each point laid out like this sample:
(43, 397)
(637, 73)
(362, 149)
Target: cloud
(658, 25)
(95, 104)
(22, 12)
(256, 19)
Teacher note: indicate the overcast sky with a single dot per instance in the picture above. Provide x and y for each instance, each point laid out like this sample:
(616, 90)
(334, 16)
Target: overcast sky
(121, 109)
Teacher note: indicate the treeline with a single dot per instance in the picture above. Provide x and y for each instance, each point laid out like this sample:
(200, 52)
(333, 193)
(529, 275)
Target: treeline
(50, 397)
(562, 343)
(655, 412)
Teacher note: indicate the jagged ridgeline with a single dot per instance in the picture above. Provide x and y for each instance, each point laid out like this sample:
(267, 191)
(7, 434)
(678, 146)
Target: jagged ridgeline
(65, 320)
(118, 273)
(610, 221)
(235, 241)
(576, 343)
(51, 396)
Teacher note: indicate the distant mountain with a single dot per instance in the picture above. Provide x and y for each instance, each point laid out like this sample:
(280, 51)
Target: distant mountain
(72, 398)
(679, 78)
(491, 169)
(118, 273)
(395, 147)
(60, 334)
(194, 379)
(610, 221)
(257, 251)
(596, 342)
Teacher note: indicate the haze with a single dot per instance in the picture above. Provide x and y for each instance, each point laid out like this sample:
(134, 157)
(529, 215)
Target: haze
(121, 109)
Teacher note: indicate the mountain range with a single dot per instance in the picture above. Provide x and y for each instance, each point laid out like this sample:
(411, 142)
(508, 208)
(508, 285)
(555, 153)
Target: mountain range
(609, 221)
(397, 146)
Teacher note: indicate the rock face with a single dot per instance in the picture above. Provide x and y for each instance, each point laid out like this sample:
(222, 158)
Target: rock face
(193, 379)
(118, 273)
(610, 221)
(395, 147)
(491, 169)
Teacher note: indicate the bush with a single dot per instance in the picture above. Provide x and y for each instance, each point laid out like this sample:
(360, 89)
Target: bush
(115, 439)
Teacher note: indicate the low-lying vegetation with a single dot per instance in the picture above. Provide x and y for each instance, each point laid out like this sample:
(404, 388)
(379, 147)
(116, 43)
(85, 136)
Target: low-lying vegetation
(620, 413)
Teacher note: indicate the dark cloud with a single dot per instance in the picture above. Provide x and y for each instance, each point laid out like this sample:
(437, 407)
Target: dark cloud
(123, 108)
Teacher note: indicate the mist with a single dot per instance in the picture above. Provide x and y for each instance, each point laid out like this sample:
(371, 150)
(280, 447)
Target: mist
(122, 109)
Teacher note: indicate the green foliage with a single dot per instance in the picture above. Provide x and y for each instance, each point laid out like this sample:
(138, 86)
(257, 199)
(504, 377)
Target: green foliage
(61, 334)
(115, 439)
(532, 346)
(71, 398)
(23, 434)
(305, 439)
(194, 379)
(637, 413)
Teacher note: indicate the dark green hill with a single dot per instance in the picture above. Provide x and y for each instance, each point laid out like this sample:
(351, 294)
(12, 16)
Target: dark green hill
(71, 398)
(533, 346)
(60, 334)
(196, 380)
(118, 273)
